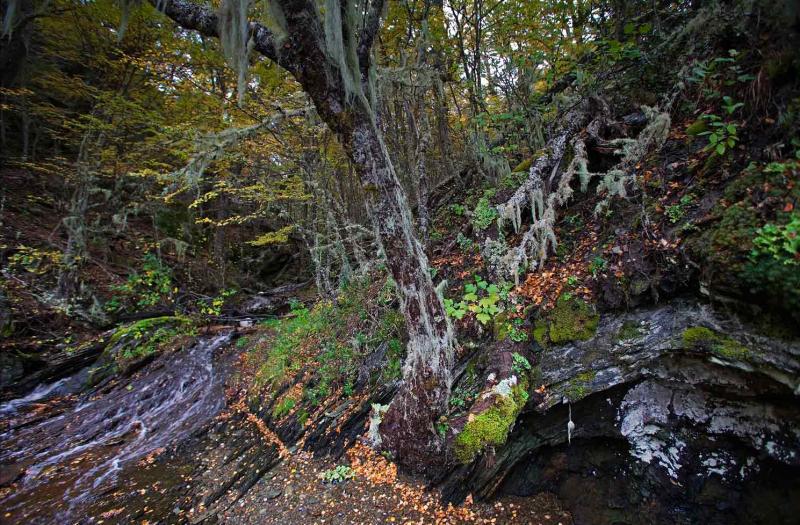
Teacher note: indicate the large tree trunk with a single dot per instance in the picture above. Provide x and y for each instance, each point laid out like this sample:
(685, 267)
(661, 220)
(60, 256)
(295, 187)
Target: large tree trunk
(408, 428)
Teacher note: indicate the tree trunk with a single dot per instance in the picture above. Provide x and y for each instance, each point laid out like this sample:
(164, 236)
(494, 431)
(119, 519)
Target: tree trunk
(408, 428)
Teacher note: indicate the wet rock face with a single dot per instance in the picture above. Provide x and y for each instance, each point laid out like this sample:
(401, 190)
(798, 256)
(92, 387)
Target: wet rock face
(665, 432)
(661, 452)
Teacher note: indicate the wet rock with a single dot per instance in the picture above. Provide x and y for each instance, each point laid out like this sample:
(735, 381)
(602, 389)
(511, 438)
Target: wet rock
(667, 430)
(273, 493)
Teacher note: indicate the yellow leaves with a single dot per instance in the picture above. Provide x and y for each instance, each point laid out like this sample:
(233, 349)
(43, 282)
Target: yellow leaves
(276, 237)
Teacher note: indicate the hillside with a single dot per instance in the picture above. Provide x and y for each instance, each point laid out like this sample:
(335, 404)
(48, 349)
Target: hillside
(418, 262)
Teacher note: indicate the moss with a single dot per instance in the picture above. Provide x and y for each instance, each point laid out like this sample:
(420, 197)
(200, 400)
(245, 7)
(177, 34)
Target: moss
(500, 326)
(139, 329)
(579, 385)
(283, 407)
(629, 330)
(490, 428)
(143, 338)
(525, 165)
(540, 333)
(724, 248)
(702, 338)
(572, 319)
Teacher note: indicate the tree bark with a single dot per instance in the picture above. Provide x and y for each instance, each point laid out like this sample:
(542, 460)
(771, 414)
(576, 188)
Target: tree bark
(408, 428)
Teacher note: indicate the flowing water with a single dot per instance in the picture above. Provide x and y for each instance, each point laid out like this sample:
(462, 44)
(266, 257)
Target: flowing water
(66, 453)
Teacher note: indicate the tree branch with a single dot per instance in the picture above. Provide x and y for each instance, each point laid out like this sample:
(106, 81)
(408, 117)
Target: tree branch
(368, 32)
(205, 21)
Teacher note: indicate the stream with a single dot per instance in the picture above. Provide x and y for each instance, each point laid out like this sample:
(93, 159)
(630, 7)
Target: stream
(63, 455)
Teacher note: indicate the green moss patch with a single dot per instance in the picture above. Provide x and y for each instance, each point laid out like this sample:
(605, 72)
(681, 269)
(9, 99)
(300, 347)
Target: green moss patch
(572, 319)
(702, 338)
(146, 337)
(490, 428)
(629, 330)
(578, 387)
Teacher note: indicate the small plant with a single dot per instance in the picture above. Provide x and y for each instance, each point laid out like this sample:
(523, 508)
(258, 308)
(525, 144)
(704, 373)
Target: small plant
(213, 306)
(572, 280)
(464, 243)
(781, 243)
(480, 298)
(457, 400)
(676, 212)
(338, 474)
(514, 179)
(722, 137)
(484, 307)
(520, 364)
(458, 210)
(388, 292)
(457, 310)
(484, 214)
(515, 332)
(597, 266)
(729, 105)
(148, 287)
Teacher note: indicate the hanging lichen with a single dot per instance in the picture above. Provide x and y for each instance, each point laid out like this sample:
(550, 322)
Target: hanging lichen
(540, 239)
(651, 138)
(341, 26)
(234, 35)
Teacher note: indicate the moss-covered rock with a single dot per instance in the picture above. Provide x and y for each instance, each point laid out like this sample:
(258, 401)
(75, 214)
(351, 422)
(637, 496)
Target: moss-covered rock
(578, 387)
(491, 427)
(133, 344)
(629, 330)
(572, 319)
(702, 338)
(724, 249)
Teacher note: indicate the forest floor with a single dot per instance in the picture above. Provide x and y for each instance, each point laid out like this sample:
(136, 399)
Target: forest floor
(294, 493)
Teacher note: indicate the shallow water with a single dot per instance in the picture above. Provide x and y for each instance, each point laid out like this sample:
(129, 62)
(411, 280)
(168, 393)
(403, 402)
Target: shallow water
(67, 453)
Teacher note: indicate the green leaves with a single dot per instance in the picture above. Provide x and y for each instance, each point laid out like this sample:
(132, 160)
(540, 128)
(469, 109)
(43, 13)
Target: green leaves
(597, 266)
(723, 136)
(457, 310)
(519, 364)
(781, 243)
(484, 214)
(338, 474)
(481, 298)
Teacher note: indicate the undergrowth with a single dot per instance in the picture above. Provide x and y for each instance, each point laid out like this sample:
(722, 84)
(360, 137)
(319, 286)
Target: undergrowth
(328, 342)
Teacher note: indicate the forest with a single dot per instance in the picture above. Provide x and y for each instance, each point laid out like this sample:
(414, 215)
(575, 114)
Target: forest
(400, 261)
